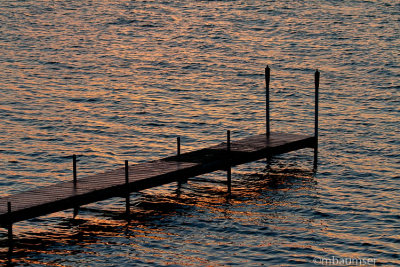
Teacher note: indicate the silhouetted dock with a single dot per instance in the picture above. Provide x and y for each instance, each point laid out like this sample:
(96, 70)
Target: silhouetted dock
(122, 181)
(66, 195)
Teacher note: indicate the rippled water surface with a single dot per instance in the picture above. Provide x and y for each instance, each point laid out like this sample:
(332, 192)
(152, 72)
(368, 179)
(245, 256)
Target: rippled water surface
(112, 80)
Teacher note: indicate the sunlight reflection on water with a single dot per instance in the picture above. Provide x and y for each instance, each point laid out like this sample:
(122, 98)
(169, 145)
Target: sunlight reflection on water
(116, 80)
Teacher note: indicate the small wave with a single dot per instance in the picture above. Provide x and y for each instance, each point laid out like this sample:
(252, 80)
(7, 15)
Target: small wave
(123, 21)
(85, 100)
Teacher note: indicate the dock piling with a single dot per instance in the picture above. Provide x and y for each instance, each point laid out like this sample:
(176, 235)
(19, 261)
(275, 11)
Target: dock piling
(178, 153)
(9, 227)
(76, 209)
(74, 169)
(127, 198)
(229, 170)
(316, 81)
(267, 81)
(178, 146)
(228, 141)
(267, 108)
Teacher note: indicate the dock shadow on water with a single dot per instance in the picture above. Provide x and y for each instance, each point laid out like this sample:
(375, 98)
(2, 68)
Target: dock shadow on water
(197, 213)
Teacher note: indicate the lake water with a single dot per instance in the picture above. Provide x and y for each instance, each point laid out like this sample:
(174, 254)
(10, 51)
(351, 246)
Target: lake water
(111, 80)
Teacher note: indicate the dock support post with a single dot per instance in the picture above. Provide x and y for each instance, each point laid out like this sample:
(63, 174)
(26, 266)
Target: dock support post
(178, 146)
(229, 171)
(316, 81)
(127, 198)
(267, 117)
(9, 227)
(178, 153)
(76, 209)
(74, 169)
(267, 81)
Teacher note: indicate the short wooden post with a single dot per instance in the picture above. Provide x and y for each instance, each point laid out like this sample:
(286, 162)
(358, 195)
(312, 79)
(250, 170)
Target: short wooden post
(74, 169)
(178, 146)
(127, 198)
(267, 81)
(178, 153)
(76, 208)
(229, 171)
(316, 81)
(9, 228)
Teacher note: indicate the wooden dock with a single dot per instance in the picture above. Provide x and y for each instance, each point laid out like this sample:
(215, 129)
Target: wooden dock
(97, 187)
(122, 181)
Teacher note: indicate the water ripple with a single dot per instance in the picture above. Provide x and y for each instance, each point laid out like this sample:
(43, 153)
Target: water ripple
(116, 80)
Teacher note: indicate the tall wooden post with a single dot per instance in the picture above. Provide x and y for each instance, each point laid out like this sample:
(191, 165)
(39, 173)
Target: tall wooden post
(316, 81)
(267, 108)
(267, 81)
(229, 171)
(127, 198)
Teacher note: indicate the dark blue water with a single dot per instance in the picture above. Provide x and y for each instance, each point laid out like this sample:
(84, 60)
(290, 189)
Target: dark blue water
(113, 80)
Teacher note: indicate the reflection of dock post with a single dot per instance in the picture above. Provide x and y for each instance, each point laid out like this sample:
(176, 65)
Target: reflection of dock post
(75, 180)
(127, 198)
(228, 149)
(316, 81)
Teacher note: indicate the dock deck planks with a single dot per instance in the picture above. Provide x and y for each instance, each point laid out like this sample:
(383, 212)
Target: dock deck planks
(89, 189)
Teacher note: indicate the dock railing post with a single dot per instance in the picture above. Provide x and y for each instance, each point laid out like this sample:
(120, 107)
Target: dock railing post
(267, 108)
(9, 227)
(76, 208)
(178, 153)
(74, 169)
(178, 146)
(228, 149)
(267, 81)
(127, 198)
(316, 81)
